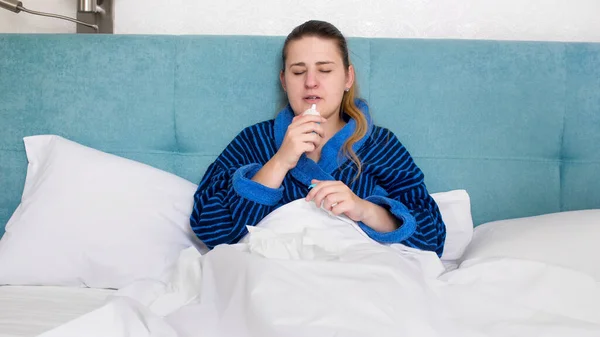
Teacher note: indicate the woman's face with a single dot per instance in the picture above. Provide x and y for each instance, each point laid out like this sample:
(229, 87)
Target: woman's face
(314, 74)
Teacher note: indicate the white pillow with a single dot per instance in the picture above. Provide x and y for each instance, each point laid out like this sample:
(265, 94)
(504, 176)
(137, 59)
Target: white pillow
(455, 207)
(566, 239)
(89, 218)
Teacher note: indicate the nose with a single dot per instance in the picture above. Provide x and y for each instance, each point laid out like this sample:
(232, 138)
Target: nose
(311, 80)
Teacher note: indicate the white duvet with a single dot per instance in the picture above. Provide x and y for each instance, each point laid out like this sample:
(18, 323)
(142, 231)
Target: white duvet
(303, 272)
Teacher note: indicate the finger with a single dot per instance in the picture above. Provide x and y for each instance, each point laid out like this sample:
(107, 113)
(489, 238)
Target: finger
(318, 185)
(340, 208)
(313, 184)
(323, 193)
(331, 200)
(310, 139)
(308, 119)
(314, 188)
(318, 129)
(314, 139)
(331, 186)
(308, 147)
(326, 182)
(308, 128)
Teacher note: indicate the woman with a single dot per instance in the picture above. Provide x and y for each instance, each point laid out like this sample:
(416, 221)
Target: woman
(339, 160)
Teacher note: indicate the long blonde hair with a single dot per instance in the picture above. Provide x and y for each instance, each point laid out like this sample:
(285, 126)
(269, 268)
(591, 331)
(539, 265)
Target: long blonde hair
(326, 30)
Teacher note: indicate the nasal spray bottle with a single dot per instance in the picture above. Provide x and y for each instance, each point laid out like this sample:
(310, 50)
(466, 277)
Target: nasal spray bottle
(313, 111)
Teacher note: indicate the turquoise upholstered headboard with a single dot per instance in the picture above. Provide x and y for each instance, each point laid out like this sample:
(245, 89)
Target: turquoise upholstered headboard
(516, 124)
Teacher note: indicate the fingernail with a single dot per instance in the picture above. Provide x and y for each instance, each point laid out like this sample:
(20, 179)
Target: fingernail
(311, 186)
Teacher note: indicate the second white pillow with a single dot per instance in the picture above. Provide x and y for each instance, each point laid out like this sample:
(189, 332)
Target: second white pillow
(566, 239)
(89, 218)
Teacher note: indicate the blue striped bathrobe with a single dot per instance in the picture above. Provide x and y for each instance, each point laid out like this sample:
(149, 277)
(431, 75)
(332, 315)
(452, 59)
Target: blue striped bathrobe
(227, 200)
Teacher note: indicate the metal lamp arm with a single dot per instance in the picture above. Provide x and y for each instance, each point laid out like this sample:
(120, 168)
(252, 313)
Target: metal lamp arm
(17, 6)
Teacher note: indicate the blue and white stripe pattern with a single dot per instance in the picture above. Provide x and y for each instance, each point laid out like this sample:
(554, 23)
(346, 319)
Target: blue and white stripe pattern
(227, 200)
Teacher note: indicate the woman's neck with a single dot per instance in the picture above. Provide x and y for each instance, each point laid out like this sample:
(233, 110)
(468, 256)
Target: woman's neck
(331, 127)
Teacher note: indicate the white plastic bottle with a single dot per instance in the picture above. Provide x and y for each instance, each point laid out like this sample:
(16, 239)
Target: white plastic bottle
(312, 111)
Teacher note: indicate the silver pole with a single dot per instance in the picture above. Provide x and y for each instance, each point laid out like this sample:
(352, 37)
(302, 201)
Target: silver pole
(87, 6)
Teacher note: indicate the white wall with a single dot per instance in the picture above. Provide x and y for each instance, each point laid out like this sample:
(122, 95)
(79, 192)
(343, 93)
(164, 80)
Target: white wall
(26, 23)
(553, 20)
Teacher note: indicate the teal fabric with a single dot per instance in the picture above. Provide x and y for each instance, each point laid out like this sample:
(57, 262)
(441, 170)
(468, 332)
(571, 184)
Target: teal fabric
(516, 124)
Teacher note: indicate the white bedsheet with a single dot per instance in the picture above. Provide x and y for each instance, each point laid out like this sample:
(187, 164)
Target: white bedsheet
(29, 311)
(305, 273)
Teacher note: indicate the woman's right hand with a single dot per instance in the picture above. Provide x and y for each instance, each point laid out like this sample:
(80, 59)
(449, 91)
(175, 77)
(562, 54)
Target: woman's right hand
(303, 135)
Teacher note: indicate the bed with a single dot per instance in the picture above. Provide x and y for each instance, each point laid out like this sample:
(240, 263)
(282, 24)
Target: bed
(31, 310)
(104, 139)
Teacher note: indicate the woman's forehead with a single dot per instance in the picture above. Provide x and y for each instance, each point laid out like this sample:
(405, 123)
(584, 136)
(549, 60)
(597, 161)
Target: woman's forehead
(313, 50)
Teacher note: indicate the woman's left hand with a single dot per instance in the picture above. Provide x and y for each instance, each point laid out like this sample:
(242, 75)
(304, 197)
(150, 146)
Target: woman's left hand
(338, 198)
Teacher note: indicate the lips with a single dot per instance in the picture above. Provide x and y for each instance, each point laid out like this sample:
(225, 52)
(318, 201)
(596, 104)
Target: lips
(312, 99)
